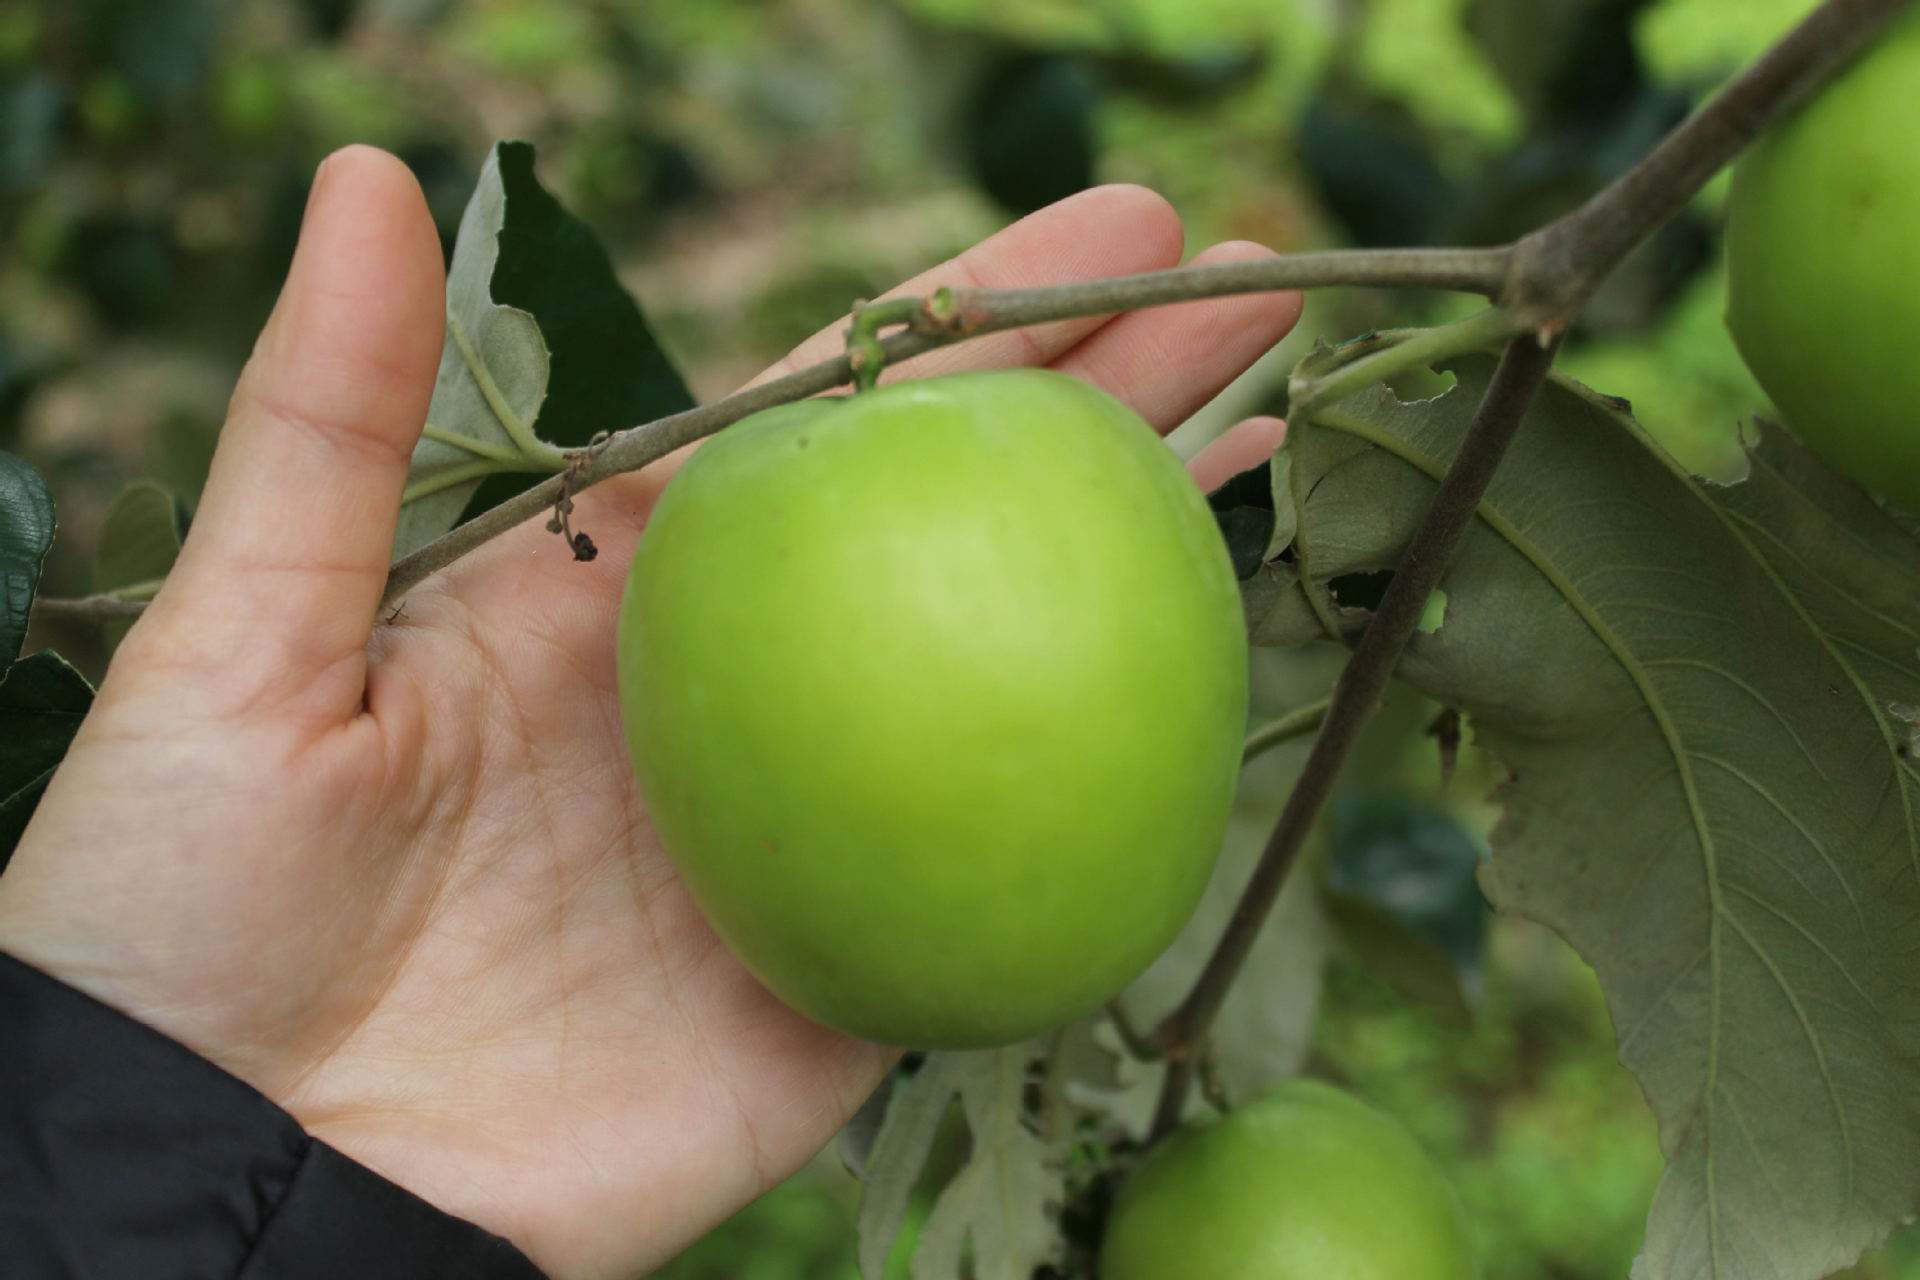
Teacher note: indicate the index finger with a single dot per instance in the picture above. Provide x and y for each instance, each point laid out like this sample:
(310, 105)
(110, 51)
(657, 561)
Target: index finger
(1104, 231)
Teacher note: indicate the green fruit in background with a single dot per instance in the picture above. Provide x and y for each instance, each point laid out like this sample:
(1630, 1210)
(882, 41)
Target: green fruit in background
(1307, 1183)
(936, 696)
(1823, 244)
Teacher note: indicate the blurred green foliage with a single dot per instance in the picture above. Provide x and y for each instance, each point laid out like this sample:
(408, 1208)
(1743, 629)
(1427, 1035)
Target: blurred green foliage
(753, 168)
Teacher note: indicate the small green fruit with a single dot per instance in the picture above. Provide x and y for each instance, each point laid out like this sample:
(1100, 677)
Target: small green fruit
(1823, 246)
(935, 694)
(1307, 1183)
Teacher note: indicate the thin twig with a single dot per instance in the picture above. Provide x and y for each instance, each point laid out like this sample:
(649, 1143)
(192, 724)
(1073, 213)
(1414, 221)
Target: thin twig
(105, 607)
(1482, 331)
(1138, 1046)
(1172, 1103)
(1297, 723)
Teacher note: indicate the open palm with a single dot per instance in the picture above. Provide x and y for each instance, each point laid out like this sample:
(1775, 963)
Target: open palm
(396, 874)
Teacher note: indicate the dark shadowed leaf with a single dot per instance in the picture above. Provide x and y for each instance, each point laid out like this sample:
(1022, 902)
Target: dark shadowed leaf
(607, 370)
(42, 701)
(26, 531)
(541, 340)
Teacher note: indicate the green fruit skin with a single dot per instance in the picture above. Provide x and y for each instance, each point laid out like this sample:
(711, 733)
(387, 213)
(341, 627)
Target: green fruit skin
(1823, 245)
(1306, 1183)
(936, 697)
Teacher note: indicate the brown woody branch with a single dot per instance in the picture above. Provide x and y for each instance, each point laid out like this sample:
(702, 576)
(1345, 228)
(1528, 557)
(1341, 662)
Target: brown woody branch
(1553, 273)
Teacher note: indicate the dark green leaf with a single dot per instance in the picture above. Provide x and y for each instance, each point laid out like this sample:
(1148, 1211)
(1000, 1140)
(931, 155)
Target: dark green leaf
(607, 370)
(42, 701)
(26, 531)
(1373, 169)
(1243, 507)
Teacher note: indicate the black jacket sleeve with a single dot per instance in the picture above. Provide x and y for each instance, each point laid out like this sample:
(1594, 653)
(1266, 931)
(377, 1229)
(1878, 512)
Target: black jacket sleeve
(124, 1155)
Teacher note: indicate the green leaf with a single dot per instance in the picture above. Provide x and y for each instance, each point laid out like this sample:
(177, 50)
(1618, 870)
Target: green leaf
(1713, 798)
(1000, 1201)
(997, 1209)
(42, 701)
(139, 538)
(1402, 893)
(1691, 40)
(608, 369)
(139, 541)
(492, 378)
(891, 1166)
(1413, 861)
(541, 341)
(26, 531)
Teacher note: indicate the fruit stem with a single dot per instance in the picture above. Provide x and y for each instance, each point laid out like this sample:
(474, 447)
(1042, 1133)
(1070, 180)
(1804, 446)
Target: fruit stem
(866, 356)
(1482, 331)
(1295, 724)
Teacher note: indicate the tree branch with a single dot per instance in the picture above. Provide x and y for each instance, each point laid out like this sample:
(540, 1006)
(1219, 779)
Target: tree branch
(1357, 693)
(967, 313)
(105, 607)
(1557, 268)
(1554, 272)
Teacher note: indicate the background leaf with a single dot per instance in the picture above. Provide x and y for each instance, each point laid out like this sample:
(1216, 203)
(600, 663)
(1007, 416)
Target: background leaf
(997, 1208)
(1692, 686)
(139, 538)
(139, 541)
(42, 701)
(1401, 890)
(26, 531)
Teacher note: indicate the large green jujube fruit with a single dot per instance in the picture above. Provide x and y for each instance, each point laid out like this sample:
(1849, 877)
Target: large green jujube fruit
(1823, 246)
(935, 694)
(1306, 1183)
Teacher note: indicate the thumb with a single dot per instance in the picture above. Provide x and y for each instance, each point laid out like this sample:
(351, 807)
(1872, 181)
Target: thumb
(282, 573)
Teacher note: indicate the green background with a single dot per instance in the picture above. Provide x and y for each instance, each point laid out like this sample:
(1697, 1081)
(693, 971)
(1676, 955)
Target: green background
(753, 167)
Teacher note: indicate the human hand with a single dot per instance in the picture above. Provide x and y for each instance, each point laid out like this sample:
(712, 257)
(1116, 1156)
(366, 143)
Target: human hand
(397, 875)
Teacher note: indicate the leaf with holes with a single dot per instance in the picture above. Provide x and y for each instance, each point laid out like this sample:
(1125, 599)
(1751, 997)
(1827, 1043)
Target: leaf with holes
(1001, 1201)
(998, 1208)
(1699, 691)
